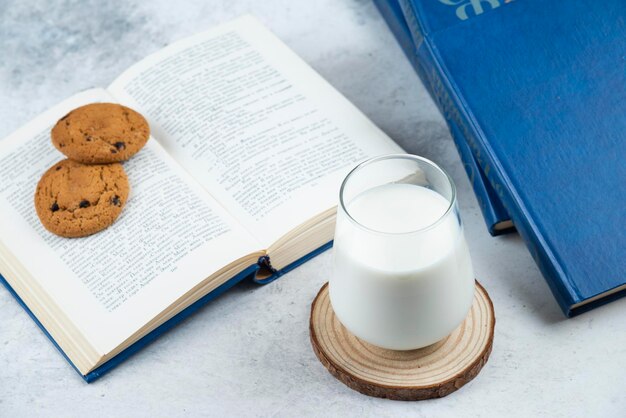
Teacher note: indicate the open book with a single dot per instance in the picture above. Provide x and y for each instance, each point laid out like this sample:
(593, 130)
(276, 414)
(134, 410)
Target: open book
(240, 180)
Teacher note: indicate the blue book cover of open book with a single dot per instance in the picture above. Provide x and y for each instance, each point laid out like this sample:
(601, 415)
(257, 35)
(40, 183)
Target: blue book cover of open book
(239, 181)
(537, 90)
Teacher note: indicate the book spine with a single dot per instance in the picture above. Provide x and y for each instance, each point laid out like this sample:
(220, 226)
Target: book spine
(491, 206)
(492, 209)
(452, 105)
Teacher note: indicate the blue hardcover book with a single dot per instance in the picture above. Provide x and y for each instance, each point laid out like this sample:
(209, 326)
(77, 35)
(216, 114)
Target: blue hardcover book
(537, 89)
(257, 273)
(239, 180)
(494, 213)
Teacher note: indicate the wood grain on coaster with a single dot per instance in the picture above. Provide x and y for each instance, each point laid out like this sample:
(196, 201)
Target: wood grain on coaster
(431, 372)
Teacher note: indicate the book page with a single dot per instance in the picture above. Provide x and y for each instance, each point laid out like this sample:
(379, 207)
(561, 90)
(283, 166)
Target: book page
(170, 236)
(255, 125)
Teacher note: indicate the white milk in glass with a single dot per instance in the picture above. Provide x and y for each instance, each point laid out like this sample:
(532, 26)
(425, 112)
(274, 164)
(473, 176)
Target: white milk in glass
(403, 276)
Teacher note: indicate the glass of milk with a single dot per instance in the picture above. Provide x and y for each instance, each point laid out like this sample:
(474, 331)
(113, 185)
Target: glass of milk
(402, 275)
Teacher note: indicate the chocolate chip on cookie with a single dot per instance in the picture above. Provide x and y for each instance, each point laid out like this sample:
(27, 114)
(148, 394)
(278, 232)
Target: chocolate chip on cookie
(100, 133)
(76, 200)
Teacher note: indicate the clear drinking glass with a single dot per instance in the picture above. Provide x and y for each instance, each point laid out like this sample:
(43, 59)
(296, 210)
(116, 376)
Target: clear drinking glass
(402, 275)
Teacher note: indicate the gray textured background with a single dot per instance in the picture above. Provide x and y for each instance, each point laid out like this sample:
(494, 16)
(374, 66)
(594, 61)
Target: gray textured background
(248, 353)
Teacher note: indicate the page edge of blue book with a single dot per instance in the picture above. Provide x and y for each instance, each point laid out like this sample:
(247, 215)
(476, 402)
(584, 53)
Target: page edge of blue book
(100, 371)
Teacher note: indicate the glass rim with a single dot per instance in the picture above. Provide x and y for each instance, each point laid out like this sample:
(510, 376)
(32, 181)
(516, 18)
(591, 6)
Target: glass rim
(399, 156)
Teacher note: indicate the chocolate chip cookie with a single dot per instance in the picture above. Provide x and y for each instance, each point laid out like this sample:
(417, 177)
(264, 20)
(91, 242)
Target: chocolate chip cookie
(100, 133)
(76, 200)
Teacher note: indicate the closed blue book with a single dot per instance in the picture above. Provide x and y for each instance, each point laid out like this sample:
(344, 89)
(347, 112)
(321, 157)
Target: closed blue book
(537, 89)
(494, 213)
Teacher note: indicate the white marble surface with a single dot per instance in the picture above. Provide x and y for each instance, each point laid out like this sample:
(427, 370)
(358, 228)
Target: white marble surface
(248, 353)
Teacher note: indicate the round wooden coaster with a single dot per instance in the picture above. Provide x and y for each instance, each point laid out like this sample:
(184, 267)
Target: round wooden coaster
(431, 372)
